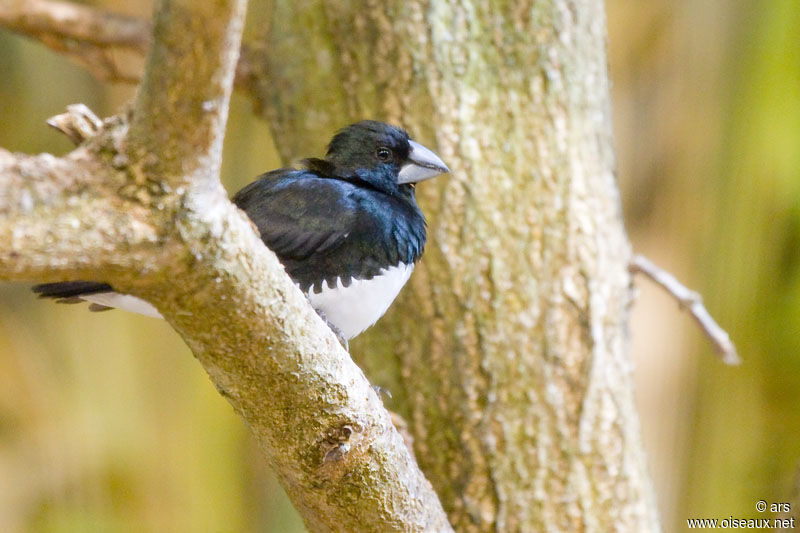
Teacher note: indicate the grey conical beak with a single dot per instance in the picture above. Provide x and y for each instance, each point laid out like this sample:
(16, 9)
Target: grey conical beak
(422, 165)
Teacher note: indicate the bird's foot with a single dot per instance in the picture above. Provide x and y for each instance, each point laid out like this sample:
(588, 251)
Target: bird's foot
(339, 335)
(382, 391)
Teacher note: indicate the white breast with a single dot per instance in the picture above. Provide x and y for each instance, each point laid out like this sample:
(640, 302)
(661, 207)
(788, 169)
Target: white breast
(355, 308)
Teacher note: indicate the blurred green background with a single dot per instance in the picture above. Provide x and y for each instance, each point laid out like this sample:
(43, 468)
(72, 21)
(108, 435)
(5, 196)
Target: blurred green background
(108, 424)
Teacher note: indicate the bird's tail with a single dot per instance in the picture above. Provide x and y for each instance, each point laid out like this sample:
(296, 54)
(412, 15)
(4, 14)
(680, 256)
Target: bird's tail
(70, 291)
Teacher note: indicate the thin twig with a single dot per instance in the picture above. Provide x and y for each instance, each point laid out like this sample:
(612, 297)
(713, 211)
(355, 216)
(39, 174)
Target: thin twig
(691, 301)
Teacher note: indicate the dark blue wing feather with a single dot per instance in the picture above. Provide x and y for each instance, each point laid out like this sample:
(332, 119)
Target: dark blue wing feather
(325, 228)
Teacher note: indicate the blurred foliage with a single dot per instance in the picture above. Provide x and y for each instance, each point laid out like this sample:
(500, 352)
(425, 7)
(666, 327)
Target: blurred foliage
(707, 109)
(108, 424)
(751, 416)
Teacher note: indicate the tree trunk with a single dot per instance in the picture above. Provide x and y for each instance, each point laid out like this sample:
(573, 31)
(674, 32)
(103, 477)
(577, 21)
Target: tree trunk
(508, 355)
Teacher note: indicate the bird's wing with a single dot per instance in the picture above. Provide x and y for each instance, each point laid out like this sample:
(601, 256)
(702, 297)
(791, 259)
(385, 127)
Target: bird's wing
(300, 214)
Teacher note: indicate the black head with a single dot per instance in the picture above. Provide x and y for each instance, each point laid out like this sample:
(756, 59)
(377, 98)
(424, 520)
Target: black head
(383, 156)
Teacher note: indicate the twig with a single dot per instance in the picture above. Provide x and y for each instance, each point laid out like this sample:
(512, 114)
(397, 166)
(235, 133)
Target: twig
(78, 123)
(101, 41)
(691, 301)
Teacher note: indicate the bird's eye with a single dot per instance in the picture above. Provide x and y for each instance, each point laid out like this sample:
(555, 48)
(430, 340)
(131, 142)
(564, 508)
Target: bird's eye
(383, 153)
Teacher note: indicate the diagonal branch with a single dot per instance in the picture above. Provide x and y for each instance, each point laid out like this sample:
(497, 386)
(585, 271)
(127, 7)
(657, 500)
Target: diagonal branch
(312, 410)
(139, 205)
(315, 415)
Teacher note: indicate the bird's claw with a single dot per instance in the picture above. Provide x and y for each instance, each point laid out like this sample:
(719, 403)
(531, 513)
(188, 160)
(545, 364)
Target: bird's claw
(339, 335)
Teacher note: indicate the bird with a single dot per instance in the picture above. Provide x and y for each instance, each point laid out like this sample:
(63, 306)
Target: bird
(346, 228)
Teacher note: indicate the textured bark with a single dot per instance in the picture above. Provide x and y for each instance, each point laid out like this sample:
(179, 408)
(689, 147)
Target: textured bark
(139, 205)
(518, 389)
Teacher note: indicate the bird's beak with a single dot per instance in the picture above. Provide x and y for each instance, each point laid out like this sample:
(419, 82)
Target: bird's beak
(422, 164)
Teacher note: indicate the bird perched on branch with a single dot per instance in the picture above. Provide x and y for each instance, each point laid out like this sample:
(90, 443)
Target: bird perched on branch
(346, 228)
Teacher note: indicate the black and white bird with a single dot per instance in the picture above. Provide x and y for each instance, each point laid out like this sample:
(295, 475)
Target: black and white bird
(346, 228)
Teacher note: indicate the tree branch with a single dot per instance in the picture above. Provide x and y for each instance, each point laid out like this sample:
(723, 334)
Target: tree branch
(74, 216)
(95, 38)
(175, 133)
(139, 205)
(100, 40)
(691, 301)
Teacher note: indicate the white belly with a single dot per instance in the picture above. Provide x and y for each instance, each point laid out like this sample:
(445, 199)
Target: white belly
(351, 309)
(123, 301)
(355, 308)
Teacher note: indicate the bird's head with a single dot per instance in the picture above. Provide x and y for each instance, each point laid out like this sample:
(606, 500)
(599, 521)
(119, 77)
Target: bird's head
(382, 155)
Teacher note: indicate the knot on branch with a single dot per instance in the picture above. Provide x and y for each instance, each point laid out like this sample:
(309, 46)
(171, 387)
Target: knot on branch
(139, 185)
(338, 443)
